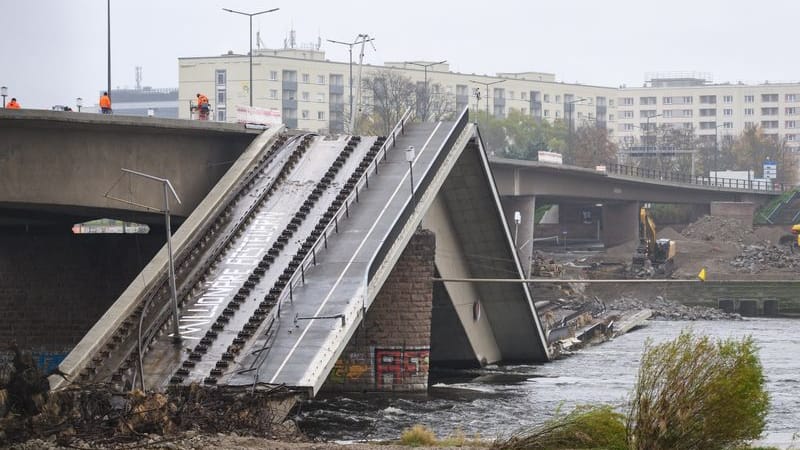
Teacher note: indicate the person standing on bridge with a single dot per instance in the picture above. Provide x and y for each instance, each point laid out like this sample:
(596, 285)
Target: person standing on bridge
(105, 103)
(203, 106)
(13, 104)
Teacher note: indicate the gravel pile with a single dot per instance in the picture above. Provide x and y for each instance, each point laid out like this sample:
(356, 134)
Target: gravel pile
(664, 309)
(725, 229)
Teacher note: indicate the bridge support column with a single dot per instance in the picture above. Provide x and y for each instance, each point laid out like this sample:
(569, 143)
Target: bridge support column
(523, 233)
(390, 352)
(620, 223)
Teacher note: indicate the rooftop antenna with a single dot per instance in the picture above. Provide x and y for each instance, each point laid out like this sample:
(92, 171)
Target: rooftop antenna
(138, 77)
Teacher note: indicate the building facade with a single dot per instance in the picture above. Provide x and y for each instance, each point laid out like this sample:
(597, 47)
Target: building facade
(313, 93)
(145, 101)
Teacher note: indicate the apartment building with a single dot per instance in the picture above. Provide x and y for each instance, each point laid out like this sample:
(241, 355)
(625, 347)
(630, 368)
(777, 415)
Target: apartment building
(313, 93)
(689, 101)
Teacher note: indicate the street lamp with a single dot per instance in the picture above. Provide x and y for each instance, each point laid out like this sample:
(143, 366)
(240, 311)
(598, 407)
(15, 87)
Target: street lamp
(427, 96)
(487, 92)
(359, 40)
(4, 93)
(176, 333)
(250, 15)
(517, 220)
(568, 110)
(79, 103)
(647, 129)
(410, 155)
(716, 150)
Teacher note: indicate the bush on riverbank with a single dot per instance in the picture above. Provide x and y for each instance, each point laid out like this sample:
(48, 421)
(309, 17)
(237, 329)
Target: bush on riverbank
(696, 393)
(691, 393)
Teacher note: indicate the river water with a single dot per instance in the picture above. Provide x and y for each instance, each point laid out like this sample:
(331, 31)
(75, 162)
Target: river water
(500, 400)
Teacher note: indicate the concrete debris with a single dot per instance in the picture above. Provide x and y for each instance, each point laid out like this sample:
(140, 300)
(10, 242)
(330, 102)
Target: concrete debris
(765, 257)
(665, 309)
(723, 229)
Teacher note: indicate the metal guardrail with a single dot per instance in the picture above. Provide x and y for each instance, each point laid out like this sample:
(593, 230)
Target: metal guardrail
(412, 202)
(780, 206)
(727, 183)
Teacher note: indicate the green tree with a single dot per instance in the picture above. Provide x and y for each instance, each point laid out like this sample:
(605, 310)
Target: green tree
(753, 147)
(590, 146)
(694, 393)
(520, 136)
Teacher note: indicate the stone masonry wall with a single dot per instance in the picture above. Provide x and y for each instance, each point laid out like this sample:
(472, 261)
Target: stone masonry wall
(54, 287)
(390, 351)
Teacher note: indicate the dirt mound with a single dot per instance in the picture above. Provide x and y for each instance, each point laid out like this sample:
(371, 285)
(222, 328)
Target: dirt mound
(727, 229)
(669, 233)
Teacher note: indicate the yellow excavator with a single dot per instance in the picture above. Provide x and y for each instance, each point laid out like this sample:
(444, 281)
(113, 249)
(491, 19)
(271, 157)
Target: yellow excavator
(658, 254)
(792, 240)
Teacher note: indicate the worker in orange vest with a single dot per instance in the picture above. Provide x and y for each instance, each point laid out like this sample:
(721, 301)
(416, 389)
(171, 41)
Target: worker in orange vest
(105, 103)
(203, 106)
(13, 104)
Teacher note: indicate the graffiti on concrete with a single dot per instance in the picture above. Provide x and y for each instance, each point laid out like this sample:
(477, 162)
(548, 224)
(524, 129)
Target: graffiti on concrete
(401, 366)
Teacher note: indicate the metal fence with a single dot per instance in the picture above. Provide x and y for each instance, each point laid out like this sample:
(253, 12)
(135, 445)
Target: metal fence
(726, 183)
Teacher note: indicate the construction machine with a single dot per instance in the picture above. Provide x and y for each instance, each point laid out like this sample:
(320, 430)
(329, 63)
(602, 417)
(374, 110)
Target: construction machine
(792, 240)
(653, 256)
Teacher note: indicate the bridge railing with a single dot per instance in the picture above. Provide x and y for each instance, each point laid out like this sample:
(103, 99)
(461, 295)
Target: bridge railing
(726, 183)
(422, 185)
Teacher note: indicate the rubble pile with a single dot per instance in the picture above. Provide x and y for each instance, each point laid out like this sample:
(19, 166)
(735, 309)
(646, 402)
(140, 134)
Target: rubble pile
(101, 415)
(665, 309)
(757, 258)
(723, 229)
(542, 266)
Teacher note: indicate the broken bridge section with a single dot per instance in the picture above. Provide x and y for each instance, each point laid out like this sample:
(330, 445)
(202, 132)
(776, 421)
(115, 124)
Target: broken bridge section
(287, 256)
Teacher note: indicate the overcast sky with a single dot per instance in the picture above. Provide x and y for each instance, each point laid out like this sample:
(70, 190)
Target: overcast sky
(52, 51)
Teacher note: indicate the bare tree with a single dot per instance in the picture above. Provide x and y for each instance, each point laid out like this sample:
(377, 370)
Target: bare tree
(389, 95)
(432, 102)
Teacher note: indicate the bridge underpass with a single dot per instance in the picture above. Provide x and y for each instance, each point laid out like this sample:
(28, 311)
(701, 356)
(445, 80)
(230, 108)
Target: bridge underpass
(283, 260)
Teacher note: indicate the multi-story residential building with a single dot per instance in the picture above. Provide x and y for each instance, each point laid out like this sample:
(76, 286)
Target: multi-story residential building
(313, 93)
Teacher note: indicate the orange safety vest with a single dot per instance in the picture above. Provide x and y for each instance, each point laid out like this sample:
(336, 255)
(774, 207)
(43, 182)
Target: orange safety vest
(12, 105)
(105, 102)
(202, 101)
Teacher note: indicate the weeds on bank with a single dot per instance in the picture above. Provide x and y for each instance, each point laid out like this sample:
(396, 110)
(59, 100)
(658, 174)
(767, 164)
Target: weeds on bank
(420, 435)
(691, 393)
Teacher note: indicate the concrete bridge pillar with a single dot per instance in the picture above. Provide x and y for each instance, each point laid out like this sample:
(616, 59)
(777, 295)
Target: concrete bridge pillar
(620, 223)
(523, 232)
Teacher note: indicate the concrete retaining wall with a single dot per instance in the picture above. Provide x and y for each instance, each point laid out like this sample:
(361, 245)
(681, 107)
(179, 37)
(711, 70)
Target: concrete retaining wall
(739, 210)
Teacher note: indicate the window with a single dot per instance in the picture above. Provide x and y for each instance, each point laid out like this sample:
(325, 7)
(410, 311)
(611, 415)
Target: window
(708, 125)
(511, 95)
(749, 111)
(727, 99)
(791, 137)
(547, 98)
(523, 96)
(320, 115)
(304, 114)
(687, 125)
(627, 114)
(667, 113)
(790, 124)
(221, 77)
(546, 111)
(627, 101)
(769, 124)
(792, 111)
(558, 99)
(708, 112)
(306, 96)
(708, 99)
(320, 80)
(321, 97)
(645, 113)
(306, 78)
(220, 97)
(273, 93)
(769, 111)
(220, 115)
(727, 125)
(499, 93)
(647, 100)
(749, 98)
(749, 124)
(688, 100)
(666, 100)
(791, 98)
(727, 112)
(611, 102)
(627, 127)
(273, 75)
(558, 114)
(769, 97)
(686, 113)
(611, 117)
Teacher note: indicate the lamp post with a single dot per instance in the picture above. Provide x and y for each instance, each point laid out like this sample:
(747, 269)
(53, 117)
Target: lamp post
(108, 22)
(568, 108)
(716, 150)
(250, 15)
(410, 155)
(359, 39)
(176, 333)
(4, 93)
(79, 103)
(517, 220)
(427, 96)
(647, 129)
(487, 92)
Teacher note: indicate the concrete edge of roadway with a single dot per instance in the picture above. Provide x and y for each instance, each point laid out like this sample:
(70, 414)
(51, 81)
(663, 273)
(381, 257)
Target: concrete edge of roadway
(39, 117)
(123, 307)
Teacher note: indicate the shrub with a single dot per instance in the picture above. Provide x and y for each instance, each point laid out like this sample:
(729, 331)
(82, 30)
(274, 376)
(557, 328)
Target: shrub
(418, 435)
(694, 393)
(585, 427)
